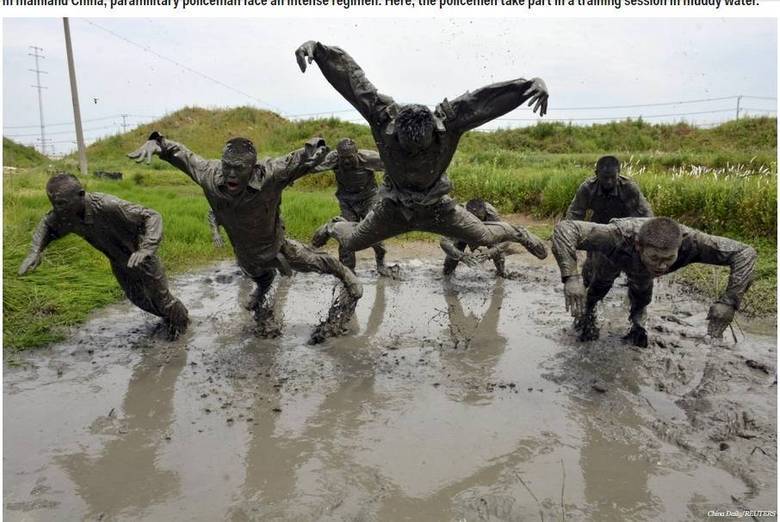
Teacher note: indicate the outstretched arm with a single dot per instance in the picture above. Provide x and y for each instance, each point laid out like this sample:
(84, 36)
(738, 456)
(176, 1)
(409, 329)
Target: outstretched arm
(330, 162)
(176, 154)
(370, 160)
(346, 76)
(488, 103)
(286, 169)
(44, 234)
(148, 222)
(570, 236)
(741, 259)
(452, 250)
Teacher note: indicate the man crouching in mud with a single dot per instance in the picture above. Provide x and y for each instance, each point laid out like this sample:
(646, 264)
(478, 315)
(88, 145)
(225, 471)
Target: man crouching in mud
(128, 235)
(245, 196)
(645, 248)
(416, 146)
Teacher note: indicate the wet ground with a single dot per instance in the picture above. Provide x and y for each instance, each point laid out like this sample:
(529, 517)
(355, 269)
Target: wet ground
(460, 400)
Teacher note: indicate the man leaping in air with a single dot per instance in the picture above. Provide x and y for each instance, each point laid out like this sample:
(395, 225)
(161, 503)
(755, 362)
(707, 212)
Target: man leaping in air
(416, 146)
(245, 196)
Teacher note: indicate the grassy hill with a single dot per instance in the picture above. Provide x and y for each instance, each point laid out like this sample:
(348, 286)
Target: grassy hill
(18, 155)
(722, 180)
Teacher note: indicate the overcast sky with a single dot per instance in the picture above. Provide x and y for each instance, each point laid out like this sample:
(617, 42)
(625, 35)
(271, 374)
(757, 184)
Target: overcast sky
(585, 63)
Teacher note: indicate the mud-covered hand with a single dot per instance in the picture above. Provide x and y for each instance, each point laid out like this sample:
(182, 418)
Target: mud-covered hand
(30, 263)
(719, 317)
(538, 96)
(471, 259)
(574, 293)
(147, 150)
(138, 257)
(305, 52)
(316, 150)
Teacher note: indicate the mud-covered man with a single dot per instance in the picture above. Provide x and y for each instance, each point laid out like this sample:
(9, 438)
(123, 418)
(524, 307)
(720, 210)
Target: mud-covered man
(456, 249)
(606, 195)
(356, 191)
(416, 146)
(126, 233)
(245, 196)
(645, 248)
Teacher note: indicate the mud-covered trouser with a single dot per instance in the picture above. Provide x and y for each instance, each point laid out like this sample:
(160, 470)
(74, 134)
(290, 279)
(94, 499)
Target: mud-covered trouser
(147, 287)
(300, 258)
(388, 219)
(599, 273)
(450, 263)
(355, 211)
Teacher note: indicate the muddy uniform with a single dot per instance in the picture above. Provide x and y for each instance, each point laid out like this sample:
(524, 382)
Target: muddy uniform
(625, 200)
(414, 193)
(356, 192)
(453, 246)
(616, 241)
(119, 228)
(252, 220)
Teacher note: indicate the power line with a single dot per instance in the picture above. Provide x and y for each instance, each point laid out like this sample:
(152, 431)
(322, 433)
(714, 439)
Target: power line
(71, 122)
(183, 66)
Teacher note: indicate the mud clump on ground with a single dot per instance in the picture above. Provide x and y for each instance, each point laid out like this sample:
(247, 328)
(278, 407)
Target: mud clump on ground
(467, 398)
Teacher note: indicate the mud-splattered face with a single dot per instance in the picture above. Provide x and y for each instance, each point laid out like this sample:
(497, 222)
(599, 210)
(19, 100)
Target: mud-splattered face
(348, 161)
(608, 177)
(236, 175)
(658, 261)
(67, 199)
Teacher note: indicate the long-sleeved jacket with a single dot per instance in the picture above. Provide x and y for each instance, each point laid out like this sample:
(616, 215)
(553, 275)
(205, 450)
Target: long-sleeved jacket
(418, 179)
(358, 184)
(626, 200)
(252, 220)
(115, 227)
(617, 241)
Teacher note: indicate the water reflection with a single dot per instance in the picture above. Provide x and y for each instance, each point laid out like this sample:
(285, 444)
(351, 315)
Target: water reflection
(125, 477)
(477, 345)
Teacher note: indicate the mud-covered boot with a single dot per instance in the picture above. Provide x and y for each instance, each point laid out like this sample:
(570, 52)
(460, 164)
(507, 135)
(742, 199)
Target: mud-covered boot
(322, 234)
(267, 326)
(531, 243)
(637, 336)
(587, 327)
(339, 314)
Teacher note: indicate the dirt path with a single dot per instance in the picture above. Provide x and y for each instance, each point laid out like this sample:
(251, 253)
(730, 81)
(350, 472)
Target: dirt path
(456, 400)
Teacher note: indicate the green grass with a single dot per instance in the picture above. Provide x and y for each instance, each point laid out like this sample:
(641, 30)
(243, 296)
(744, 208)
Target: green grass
(721, 180)
(18, 155)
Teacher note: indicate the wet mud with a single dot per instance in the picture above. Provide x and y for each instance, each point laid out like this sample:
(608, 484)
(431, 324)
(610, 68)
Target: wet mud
(459, 399)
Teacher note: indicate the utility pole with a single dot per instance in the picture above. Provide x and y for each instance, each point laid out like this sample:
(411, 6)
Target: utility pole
(74, 93)
(40, 87)
(124, 123)
(739, 99)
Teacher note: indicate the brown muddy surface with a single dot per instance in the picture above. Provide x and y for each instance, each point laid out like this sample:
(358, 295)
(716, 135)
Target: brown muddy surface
(460, 400)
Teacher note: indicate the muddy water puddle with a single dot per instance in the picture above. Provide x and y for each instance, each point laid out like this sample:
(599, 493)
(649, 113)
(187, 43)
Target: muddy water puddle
(465, 399)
